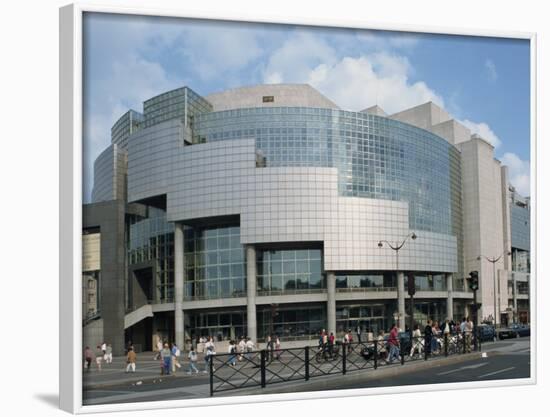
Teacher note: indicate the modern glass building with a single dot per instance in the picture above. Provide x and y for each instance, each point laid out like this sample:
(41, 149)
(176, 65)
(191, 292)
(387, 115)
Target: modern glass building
(269, 210)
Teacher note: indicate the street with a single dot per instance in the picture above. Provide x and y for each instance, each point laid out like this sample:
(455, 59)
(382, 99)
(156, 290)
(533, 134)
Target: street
(508, 359)
(510, 365)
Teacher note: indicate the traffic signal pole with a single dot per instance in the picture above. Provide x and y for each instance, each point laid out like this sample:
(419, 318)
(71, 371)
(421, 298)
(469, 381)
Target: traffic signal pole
(475, 321)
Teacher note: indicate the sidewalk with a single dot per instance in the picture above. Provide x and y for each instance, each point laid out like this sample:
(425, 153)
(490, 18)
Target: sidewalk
(147, 369)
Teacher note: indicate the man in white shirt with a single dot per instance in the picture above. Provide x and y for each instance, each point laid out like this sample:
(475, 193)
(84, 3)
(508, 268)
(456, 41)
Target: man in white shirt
(242, 348)
(249, 347)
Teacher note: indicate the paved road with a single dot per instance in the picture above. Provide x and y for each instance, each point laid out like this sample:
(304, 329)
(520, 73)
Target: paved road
(507, 360)
(495, 367)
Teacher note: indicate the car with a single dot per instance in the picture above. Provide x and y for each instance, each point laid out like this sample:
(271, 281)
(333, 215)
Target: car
(486, 333)
(514, 330)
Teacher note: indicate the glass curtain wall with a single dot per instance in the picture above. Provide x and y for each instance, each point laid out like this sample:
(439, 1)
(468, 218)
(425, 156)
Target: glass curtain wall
(289, 271)
(151, 243)
(215, 265)
(371, 317)
(291, 322)
(226, 325)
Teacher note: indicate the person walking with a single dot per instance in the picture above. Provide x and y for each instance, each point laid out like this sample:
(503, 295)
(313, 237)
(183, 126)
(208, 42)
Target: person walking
(242, 348)
(109, 354)
(393, 343)
(104, 350)
(166, 359)
(175, 355)
(331, 340)
(269, 347)
(468, 329)
(209, 351)
(192, 361)
(159, 348)
(358, 331)
(88, 358)
(131, 360)
(435, 336)
(416, 342)
(428, 334)
(350, 340)
(381, 345)
(232, 350)
(99, 357)
(249, 348)
(278, 348)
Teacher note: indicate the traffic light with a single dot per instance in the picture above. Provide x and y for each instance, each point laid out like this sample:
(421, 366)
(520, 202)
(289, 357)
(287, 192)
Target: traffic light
(473, 281)
(410, 284)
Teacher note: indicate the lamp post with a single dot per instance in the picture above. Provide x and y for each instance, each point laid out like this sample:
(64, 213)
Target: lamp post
(396, 247)
(494, 260)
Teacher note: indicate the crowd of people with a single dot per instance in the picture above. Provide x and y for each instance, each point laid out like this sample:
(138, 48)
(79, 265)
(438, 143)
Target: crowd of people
(389, 344)
(388, 347)
(102, 353)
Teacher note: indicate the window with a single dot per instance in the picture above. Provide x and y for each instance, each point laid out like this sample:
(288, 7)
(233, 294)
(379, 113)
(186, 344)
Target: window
(268, 99)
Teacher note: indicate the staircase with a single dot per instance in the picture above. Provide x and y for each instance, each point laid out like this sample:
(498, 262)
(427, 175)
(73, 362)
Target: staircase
(137, 315)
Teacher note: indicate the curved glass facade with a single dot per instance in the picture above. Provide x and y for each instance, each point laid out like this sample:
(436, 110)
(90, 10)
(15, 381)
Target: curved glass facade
(376, 157)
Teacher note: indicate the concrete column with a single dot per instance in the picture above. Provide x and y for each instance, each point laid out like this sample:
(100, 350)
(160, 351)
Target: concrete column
(449, 279)
(515, 296)
(401, 300)
(179, 259)
(251, 292)
(331, 303)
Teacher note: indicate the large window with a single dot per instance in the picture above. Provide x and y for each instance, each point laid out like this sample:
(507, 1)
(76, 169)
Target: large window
(214, 263)
(374, 281)
(225, 325)
(370, 317)
(151, 242)
(290, 322)
(289, 271)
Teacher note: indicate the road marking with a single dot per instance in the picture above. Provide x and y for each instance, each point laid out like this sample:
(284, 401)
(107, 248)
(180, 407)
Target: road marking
(478, 365)
(497, 372)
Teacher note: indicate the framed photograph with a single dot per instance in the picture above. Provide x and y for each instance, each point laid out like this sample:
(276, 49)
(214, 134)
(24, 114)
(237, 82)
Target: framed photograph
(257, 210)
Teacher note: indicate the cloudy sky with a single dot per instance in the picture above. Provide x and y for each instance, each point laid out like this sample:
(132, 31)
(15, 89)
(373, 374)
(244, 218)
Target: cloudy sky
(482, 82)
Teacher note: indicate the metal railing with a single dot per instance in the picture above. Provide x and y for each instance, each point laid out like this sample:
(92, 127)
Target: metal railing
(91, 317)
(367, 289)
(231, 371)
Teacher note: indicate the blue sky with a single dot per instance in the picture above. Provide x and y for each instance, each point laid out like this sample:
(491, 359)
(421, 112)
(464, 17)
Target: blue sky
(482, 82)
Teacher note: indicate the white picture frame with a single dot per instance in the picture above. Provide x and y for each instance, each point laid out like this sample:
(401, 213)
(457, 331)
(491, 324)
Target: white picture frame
(71, 99)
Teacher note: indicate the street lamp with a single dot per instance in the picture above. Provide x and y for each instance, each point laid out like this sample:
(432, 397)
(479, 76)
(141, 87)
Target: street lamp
(396, 249)
(494, 260)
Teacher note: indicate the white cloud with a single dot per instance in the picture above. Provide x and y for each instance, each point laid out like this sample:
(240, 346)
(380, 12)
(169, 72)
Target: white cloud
(380, 78)
(483, 130)
(354, 83)
(491, 69)
(519, 172)
(297, 56)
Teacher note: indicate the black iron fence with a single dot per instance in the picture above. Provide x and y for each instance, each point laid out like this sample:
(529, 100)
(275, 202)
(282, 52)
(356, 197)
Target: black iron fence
(231, 371)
